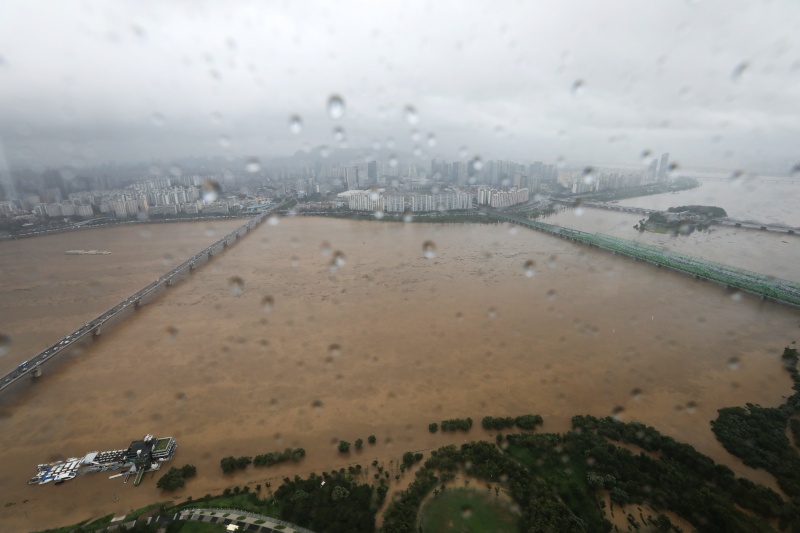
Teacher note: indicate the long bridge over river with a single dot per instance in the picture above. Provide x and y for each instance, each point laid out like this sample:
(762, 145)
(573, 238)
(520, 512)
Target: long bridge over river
(127, 307)
(760, 285)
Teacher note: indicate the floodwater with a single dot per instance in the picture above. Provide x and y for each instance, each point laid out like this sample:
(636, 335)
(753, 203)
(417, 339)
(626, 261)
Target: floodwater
(384, 344)
(46, 294)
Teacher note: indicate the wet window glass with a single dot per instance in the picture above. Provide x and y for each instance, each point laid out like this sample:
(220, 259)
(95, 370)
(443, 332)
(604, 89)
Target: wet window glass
(364, 266)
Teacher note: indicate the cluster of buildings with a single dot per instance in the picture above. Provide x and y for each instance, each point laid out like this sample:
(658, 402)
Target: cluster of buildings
(501, 198)
(377, 200)
(161, 196)
(595, 181)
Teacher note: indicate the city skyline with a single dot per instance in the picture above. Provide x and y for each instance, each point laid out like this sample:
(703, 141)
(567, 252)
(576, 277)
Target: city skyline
(708, 82)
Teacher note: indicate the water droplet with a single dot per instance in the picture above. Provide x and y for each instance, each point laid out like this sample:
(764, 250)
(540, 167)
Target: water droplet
(338, 134)
(390, 143)
(431, 140)
(739, 71)
(636, 393)
(408, 215)
(795, 171)
(393, 161)
(429, 249)
(172, 331)
(578, 88)
(273, 219)
(418, 152)
(224, 141)
(5, 344)
(736, 296)
(463, 152)
(691, 407)
(646, 157)
(337, 260)
(334, 350)
(216, 118)
(158, 119)
(324, 151)
(477, 162)
(551, 261)
(513, 230)
(294, 261)
(410, 114)
(236, 285)
(211, 191)
(378, 214)
(414, 135)
(491, 314)
(253, 165)
(551, 295)
(335, 106)
(466, 512)
(530, 268)
(589, 176)
(295, 124)
(267, 303)
(325, 248)
(733, 363)
(616, 411)
(316, 404)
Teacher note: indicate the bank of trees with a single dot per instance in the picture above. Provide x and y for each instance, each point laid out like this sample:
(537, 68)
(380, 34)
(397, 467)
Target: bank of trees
(175, 478)
(341, 505)
(230, 463)
(455, 424)
(528, 421)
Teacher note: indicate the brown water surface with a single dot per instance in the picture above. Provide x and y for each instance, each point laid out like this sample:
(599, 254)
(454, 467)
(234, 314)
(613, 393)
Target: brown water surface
(465, 333)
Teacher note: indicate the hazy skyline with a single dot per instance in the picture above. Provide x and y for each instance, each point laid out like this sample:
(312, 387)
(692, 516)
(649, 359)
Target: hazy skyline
(713, 83)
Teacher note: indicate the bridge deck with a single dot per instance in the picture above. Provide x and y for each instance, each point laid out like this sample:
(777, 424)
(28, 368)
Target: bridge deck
(94, 326)
(765, 286)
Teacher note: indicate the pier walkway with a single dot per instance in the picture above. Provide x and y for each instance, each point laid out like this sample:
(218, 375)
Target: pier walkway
(766, 287)
(125, 308)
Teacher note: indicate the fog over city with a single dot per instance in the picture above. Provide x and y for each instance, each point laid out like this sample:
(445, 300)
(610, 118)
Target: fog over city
(715, 83)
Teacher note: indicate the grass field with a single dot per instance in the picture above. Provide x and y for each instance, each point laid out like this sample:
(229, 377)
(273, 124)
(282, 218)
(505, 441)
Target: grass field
(466, 511)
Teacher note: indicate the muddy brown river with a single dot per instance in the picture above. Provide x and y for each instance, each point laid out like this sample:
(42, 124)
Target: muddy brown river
(417, 339)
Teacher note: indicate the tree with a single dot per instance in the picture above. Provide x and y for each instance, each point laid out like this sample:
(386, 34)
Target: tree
(359, 444)
(344, 446)
(371, 439)
(339, 493)
(433, 427)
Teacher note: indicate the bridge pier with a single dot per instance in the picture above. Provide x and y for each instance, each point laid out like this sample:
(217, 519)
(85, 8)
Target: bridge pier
(37, 372)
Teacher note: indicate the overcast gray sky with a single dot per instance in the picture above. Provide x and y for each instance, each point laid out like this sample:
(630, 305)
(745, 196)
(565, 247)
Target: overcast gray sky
(712, 82)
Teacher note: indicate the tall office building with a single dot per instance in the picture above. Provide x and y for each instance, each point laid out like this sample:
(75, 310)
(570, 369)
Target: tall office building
(662, 168)
(653, 170)
(372, 171)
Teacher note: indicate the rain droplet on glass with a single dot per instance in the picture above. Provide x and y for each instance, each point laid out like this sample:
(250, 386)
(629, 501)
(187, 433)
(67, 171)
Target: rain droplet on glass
(236, 285)
(530, 268)
(429, 249)
(267, 303)
(410, 114)
(335, 106)
(295, 124)
(253, 165)
(5, 344)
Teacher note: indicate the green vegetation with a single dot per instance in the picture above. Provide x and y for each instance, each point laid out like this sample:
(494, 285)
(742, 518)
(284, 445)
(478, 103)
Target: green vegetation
(340, 505)
(454, 424)
(273, 458)
(344, 446)
(175, 477)
(371, 439)
(433, 427)
(230, 463)
(523, 422)
(690, 218)
(757, 435)
(462, 510)
(359, 444)
(703, 210)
